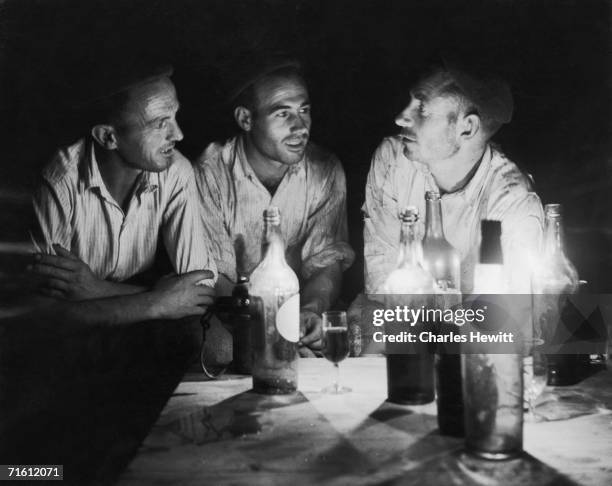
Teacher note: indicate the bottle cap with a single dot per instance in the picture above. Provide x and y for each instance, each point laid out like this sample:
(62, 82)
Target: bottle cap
(553, 209)
(272, 215)
(409, 214)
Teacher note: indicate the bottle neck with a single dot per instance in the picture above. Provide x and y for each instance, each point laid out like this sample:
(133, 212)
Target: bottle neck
(274, 246)
(410, 246)
(553, 236)
(433, 218)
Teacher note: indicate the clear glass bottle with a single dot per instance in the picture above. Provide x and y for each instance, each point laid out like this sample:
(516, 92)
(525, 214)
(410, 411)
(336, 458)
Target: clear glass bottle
(275, 294)
(554, 279)
(492, 383)
(443, 263)
(410, 377)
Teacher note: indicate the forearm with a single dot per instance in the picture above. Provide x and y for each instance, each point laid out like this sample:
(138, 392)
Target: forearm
(111, 311)
(116, 289)
(322, 289)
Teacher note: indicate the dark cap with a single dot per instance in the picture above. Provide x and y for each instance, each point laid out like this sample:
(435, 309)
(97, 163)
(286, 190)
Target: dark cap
(490, 94)
(117, 79)
(248, 68)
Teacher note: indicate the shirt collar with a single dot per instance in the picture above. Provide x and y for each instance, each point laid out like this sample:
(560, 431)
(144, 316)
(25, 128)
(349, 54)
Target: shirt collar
(92, 177)
(242, 169)
(147, 181)
(471, 189)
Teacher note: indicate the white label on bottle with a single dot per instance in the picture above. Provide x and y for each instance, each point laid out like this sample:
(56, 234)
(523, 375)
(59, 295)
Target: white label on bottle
(288, 319)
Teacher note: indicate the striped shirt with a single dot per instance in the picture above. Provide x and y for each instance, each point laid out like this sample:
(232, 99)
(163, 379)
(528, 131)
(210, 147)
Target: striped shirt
(74, 209)
(498, 190)
(311, 198)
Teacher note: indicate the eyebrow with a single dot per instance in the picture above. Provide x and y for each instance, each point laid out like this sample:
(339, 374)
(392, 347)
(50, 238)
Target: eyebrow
(278, 107)
(176, 108)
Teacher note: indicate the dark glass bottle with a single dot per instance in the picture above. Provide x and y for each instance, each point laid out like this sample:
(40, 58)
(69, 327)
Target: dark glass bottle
(440, 258)
(443, 263)
(410, 377)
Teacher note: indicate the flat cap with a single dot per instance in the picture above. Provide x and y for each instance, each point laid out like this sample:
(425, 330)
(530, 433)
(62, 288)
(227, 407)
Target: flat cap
(249, 67)
(490, 94)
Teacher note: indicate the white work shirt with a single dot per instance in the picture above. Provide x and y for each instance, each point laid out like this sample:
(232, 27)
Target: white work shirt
(74, 209)
(312, 201)
(497, 191)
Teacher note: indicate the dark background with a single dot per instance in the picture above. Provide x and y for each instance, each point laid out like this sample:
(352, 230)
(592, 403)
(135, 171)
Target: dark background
(360, 57)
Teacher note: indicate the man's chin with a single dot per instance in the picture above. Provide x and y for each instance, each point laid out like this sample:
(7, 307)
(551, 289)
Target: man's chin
(292, 158)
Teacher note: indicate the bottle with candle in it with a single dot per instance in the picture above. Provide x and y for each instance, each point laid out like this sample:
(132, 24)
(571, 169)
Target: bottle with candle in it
(443, 263)
(554, 279)
(492, 383)
(275, 294)
(410, 376)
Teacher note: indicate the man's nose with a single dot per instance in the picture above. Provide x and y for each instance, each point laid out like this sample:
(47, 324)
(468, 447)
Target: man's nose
(300, 123)
(404, 118)
(175, 134)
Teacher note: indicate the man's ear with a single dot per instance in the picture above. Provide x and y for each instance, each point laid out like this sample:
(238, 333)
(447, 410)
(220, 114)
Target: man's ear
(105, 136)
(243, 117)
(469, 126)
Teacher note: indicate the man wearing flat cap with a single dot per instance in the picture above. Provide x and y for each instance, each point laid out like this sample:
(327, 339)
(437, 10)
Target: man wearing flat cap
(444, 145)
(104, 204)
(272, 162)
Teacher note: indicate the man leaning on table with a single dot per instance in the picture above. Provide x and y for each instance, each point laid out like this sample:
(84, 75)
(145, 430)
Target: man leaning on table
(444, 144)
(105, 201)
(272, 162)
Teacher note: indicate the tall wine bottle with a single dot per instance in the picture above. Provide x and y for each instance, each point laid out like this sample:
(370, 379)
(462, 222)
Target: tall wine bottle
(410, 376)
(275, 293)
(443, 263)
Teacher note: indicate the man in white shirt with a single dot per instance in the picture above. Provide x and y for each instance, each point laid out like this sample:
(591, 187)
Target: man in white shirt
(105, 201)
(272, 162)
(444, 145)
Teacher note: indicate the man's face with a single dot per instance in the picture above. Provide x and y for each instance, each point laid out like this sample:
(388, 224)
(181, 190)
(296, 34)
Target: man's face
(281, 119)
(148, 131)
(428, 123)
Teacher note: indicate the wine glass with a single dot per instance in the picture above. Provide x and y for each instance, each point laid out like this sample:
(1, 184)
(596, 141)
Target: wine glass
(335, 346)
(534, 375)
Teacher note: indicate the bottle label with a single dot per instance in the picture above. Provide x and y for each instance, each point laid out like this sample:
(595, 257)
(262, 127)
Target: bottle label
(288, 319)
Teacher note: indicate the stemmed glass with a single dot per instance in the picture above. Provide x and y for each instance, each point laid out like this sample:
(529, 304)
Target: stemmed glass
(335, 346)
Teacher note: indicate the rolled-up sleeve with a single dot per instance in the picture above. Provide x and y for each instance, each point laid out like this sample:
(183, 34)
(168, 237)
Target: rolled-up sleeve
(381, 224)
(52, 206)
(327, 232)
(185, 238)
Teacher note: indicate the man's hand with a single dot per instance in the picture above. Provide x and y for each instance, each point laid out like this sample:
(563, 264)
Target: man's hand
(310, 330)
(66, 276)
(179, 296)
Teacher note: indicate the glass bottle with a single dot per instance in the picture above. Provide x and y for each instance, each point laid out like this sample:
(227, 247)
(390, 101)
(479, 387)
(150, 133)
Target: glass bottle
(554, 279)
(274, 290)
(441, 259)
(492, 383)
(410, 376)
(443, 263)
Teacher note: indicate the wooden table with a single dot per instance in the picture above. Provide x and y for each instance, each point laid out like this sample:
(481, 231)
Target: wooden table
(217, 432)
